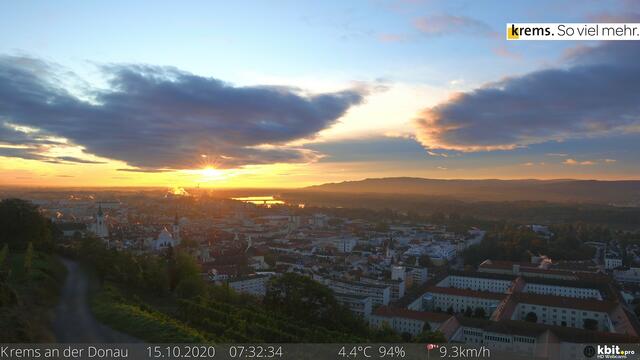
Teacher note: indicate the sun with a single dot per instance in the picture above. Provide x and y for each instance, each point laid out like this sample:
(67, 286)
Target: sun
(211, 172)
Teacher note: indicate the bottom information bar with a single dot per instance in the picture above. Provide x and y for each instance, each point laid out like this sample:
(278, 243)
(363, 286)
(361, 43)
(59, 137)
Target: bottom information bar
(412, 351)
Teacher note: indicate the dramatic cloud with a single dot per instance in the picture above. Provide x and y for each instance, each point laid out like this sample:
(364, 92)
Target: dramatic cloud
(145, 170)
(40, 154)
(445, 24)
(73, 159)
(163, 118)
(30, 144)
(597, 93)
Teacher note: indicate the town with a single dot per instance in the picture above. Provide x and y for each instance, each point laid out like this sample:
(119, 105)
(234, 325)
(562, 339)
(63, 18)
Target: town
(406, 275)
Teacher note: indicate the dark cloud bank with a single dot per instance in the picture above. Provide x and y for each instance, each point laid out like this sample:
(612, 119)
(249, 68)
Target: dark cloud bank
(162, 118)
(597, 92)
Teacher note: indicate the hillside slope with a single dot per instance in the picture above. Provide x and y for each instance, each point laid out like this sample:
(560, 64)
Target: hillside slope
(617, 192)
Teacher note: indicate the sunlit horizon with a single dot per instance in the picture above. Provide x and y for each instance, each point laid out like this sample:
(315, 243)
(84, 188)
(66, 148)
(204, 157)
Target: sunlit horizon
(382, 89)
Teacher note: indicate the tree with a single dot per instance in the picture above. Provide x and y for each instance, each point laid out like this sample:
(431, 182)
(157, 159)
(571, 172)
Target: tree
(305, 299)
(190, 288)
(431, 337)
(386, 334)
(531, 317)
(21, 224)
(450, 310)
(300, 295)
(3, 254)
(406, 337)
(479, 312)
(8, 295)
(425, 261)
(590, 324)
(28, 259)
(155, 276)
(181, 266)
(426, 326)
(468, 312)
(94, 252)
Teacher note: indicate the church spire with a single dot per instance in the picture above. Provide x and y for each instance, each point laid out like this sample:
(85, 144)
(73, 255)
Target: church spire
(176, 227)
(100, 227)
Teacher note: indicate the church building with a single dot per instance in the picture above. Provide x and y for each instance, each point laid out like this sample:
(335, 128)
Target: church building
(99, 227)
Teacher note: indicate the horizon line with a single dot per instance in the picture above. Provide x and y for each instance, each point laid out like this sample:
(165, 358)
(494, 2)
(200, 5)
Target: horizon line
(213, 187)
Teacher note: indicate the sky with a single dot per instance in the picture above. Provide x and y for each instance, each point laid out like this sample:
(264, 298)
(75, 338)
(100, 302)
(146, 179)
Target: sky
(290, 94)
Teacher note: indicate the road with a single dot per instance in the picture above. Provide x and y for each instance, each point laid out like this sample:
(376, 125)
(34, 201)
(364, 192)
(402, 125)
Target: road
(73, 320)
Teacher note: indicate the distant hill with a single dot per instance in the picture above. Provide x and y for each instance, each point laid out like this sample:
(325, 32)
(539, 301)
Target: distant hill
(624, 193)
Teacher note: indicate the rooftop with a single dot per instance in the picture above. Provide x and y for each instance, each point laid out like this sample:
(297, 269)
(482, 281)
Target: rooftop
(466, 292)
(388, 311)
(524, 328)
(565, 302)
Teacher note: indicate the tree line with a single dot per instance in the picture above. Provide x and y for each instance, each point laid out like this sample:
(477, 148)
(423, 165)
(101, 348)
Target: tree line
(514, 242)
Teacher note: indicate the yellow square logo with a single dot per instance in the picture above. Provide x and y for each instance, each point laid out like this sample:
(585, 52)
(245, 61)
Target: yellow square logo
(512, 33)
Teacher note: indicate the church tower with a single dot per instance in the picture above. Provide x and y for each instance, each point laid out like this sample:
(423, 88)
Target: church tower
(176, 229)
(101, 229)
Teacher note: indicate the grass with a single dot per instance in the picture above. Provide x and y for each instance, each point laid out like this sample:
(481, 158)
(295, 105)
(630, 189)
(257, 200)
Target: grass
(28, 297)
(167, 319)
(138, 320)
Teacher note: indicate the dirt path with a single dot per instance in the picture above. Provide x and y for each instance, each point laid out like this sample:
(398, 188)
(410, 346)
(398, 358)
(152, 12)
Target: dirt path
(73, 320)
